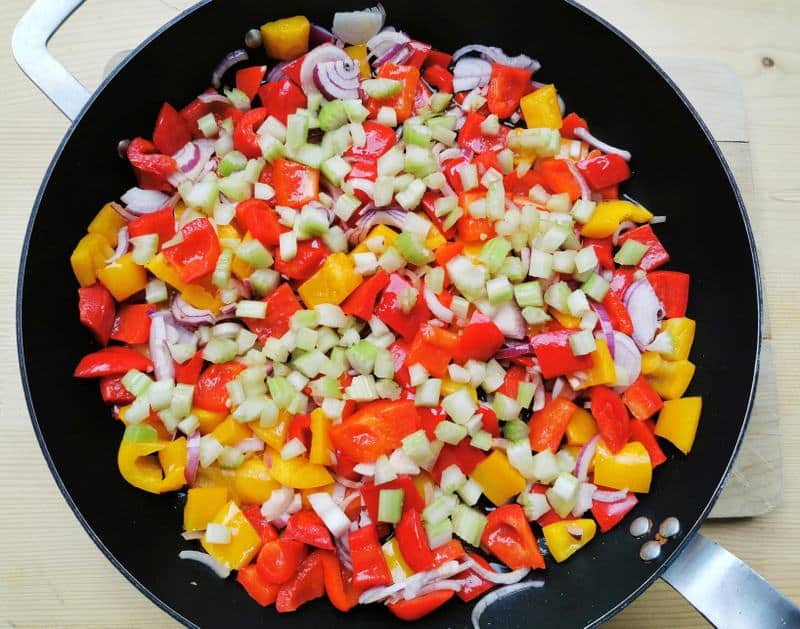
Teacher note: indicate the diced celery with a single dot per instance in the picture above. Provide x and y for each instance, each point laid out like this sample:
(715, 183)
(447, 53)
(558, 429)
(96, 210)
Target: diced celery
(495, 201)
(440, 101)
(490, 125)
(577, 304)
(264, 281)
(586, 259)
(563, 493)
(412, 248)
(583, 210)
(144, 248)
(332, 115)
(459, 406)
(419, 161)
(274, 127)
(362, 356)
(136, 382)
(450, 432)
(545, 466)
(251, 309)
(445, 205)
(528, 294)
(356, 112)
(231, 163)
(427, 394)
(582, 343)
(505, 408)
(390, 505)
(631, 253)
(566, 462)
(451, 219)
(481, 440)
(439, 533)
(440, 508)
(452, 479)
(516, 430)
(296, 131)
(468, 524)
(499, 290)
(494, 252)
(541, 264)
(387, 116)
(255, 254)
(417, 134)
(595, 287)
(559, 203)
(556, 296)
(381, 88)
(156, 292)
(335, 169)
(469, 278)
(418, 447)
(271, 148)
(220, 350)
(494, 376)
(362, 389)
(468, 174)
(391, 162)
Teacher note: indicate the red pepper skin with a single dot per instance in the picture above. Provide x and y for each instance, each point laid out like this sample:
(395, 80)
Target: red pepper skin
(389, 311)
(558, 178)
(261, 591)
(471, 137)
(369, 564)
(307, 584)
(399, 352)
(196, 256)
(189, 372)
(571, 122)
(672, 289)
(363, 170)
(438, 76)
(113, 392)
(112, 361)
(338, 583)
(642, 400)
(547, 426)
(416, 608)
(430, 355)
(402, 103)
(370, 494)
(447, 252)
(282, 98)
(281, 305)
(489, 420)
(380, 139)
(521, 186)
(473, 584)
(279, 560)
(508, 537)
(422, 98)
(132, 324)
(197, 109)
(96, 307)
(245, 139)
(621, 279)
(262, 526)
(450, 551)
(603, 250)
(644, 433)
(555, 356)
(161, 223)
(171, 133)
(419, 53)
(292, 70)
(295, 184)
(609, 514)
(361, 303)
(507, 86)
(510, 386)
(429, 205)
(378, 428)
(611, 416)
(144, 156)
(471, 229)
(300, 428)
(480, 340)
(618, 313)
(211, 392)
(307, 527)
(249, 80)
(257, 217)
(604, 171)
(429, 418)
(413, 541)
(438, 58)
(656, 255)
(450, 169)
(309, 258)
(464, 455)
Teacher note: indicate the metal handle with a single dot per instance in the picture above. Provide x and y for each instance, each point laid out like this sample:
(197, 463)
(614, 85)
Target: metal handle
(726, 591)
(29, 45)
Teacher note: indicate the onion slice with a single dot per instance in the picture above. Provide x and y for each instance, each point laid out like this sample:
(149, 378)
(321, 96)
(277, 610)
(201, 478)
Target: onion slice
(585, 457)
(627, 360)
(138, 201)
(508, 318)
(337, 79)
(123, 241)
(207, 560)
(503, 578)
(189, 315)
(492, 597)
(605, 325)
(586, 192)
(587, 137)
(159, 352)
(603, 495)
(193, 457)
(228, 61)
(320, 54)
(386, 42)
(358, 27)
(645, 310)
(436, 307)
(498, 56)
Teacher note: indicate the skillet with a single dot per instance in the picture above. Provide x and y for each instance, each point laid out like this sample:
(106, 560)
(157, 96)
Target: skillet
(601, 74)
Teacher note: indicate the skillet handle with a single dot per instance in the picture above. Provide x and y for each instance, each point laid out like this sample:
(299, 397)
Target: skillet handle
(726, 591)
(29, 45)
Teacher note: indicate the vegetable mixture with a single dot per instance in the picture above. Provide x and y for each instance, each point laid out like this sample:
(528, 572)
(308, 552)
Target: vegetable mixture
(384, 316)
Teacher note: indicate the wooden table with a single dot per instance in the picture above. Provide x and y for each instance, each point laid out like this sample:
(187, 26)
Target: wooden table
(51, 574)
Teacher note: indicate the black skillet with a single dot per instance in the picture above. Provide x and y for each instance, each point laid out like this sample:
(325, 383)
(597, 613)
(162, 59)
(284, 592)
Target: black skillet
(600, 74)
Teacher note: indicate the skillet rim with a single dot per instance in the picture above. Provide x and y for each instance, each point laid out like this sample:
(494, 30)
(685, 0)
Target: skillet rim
(613, 31)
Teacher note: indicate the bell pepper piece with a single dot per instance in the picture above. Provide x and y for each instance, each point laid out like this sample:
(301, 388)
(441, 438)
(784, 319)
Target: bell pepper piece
(540, 108)
(361, 303)
(604, 251)
(581, 427)
(682, 332)
(678, 421)
(195, 294)
(370, 495)
(274, 436)
(621, 279)
(378, 428)
(566, 320)
(618, 313)
(497, 478)
(609, 214)
(309, 258)
(611, 416)
(555, 356)
(287, 38)
(489, 421)
(563, 544)
(295, 184)
(244, 543)
(144, 156)
(338, 583)
(472, 584)
(140, 469)
(421, 606)
(107, 223)
(463, 455)
(96, 308)
(113, 392)
(211, 392)
(431, 355)
(258, 218)
(253, 483)
(609, 514)
(471, 137)
(245, 138)
(398, 568)
(197, 109)
(171, 133)
(260, 523)
(298, 473)
(558, 178)
(651, 361)
(197, 254)
(369, 563)
(281, 98)
(403, 102)
(449, 551)
(547, 426)
(656, 255)
(358, 53)
(508, 537)
(438, 77)
(202, 504)
(641, 399)
(132, 324)
(389, 311)
(379, 139)
(279, 560)
(672, 290)
(672, 378)
(413, 541)
(572, 122)
(248, 80)
(123, 278)
(507, 86)
(332, 284)
(281, 305)
(321, 446)
(603, 171)
(474, 230)
(230, 432)
(260, 590)
(379, 231)
(307, 527)
(160, 222)
(644, 433)
(480, 340)
(602, 370)
(112, 361)
(209, 420)
(189, 372)
(629, 468)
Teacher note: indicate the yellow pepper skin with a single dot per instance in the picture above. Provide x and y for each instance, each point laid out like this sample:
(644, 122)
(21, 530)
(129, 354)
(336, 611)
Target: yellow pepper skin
(581, 428)
(287, 38)
(202, 504)
(107, 224)
(209, 420)
(629, 468)
(88, 256)
(395, 561)
(449, 386)
(195, 294)
(498, 479)
(379, 231)
(230, 432)
(123, 277)
(173, 461)
(254, 485)
(565, 319)
(682, 331)
(245, 540)
(298, 473)
(435, 239)
(142, 470)
(358, 54)
(274, 436)
(678, 422)
(540, 109)
(561, 543)
(672, 378)
(603, 370)
(321, 446)
(651, 361)
(424, 484)
(332, 283)
(214, 476)
(609, 214)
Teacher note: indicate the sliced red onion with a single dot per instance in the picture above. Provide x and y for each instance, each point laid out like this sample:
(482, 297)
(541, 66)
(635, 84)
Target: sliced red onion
(159, 352)
(397, 54)
(603, 495)
(498, 56)
(320, 54)
(228, 61)
(213, 97)
(138, 201)
(193, 457)
(343, 551)
(465, 83)
(562, 388)
(411, 585)
(337, 79)
(393, 217)
(605, 325)
(251, 444)
(503, 578)
(187, 157)
(350, 484)
(320, 35)
(193, 161)
(207, 560)
(513, 350)
(508, 318)
(446, 584)
(276, 72)
(587, 137)
(492, 597)
(583, 502)
(624, 226)
(358, 27)
(525, 257)
(436, 307)
(645, 310)
(190, 536)
(385, 42)
(471, 68)
(128, 216)
(627, 360)
(586, 192)
(122, 244)
(585, 457)
(189, 315)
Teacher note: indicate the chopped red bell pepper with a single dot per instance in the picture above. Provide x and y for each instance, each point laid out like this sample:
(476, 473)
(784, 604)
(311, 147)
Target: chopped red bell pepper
(603, 250)
(471, 137)
(211, 392)
(160, 222)
(390, 312)
(96, 307)
(558, 178)
(449, 551)
(641, 399)
(451, 168)
(429, 205)
(245, 138)
(507, 86)
(260, 523)
(379, 139)
(422, 98)
(447, 252)
(480, 340)
(510, 386)
(547, 426)
(132, 324)
(656, 255)
(438, 76)
(609, 514)
(611, 416)
(363, 169)
(281, 98)
(672, 289)
(260, 590)
(197, 254)
(361, 302)
(416, 608)
(370, 494)
(279, 559)
(471, 229)
(248, 80)
(257, 217)
(189, 372)
(413, 541)
(472, 584)
(489, 420)
(113, 392)
(438, 58)
(197, 109)
(603, 171)
(377, 428)
(339, 587)
(485, 161)
(307, 261)
(618, 313)
(369, 564)
(429, 418)
(300, 428)
(149, 181)
(307, 527)
(171, 133)
(464, 455)
(571, 122)
(621, 279)
(644, 433)
(292, 69)
(144, 156)
(427, 350)
(112, 361)
(281, 305)
(521, 186)
(508, 537)
(295, 184)
(419, 53)
(402, 103)
(555, 356)
(305, 586)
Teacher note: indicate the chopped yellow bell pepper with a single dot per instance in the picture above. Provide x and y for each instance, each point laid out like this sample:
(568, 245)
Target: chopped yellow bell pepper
(274, 436)
(629, 468)
(435, 239)
(239, 267)
(254, 485)
(88, 256)
(379, 231)
(395, 561)
(245, 540)
(473, 249)
(602, 370)
(651, 361)
(565, 319)
(202, 504)
(497, 478)
(123, 277)
(199, 297)
(540, 108)
(195, 294)
(173, 461)
(672, 378)
(678, 422)
(287, 38)
(581, 428)
(209, 420)
(298, 473)
(143, 471)
(107, 223)
(230, 432)
(563, 544)
(609, 214)
(332, 283)
(358, 54)
(215, 476)
(321, 446)
(424, 484)
(682, 331)
(450, 386)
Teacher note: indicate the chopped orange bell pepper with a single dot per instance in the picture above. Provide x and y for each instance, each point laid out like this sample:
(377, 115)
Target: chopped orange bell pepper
(497, 478)
(298, 473)
(202, 504)
(581, 428)
(629, 468)
(287, 38)
(672, 378)
(245, 540)
(230, 432)
(540, 108)
(678, 422)
(681, 329)
(107, 223)
(602, 370)
(254, 485)
(321, 446)
(332, 283)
